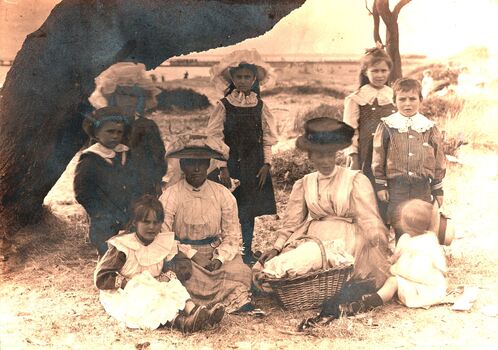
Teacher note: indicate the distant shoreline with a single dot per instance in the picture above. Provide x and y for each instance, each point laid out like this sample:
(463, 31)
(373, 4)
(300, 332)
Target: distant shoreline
(295, 57)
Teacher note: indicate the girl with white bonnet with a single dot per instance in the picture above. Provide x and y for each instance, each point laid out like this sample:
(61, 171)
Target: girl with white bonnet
(126, 85)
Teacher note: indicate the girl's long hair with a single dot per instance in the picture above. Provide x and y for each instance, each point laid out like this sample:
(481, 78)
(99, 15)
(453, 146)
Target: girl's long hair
(142, 207)
(255, 87)
(372, 57)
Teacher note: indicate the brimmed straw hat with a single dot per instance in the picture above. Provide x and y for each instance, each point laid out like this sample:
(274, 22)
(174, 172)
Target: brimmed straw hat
(325, 134)
(220, 73)
(95, 120)
(441, 225)
(195, 146)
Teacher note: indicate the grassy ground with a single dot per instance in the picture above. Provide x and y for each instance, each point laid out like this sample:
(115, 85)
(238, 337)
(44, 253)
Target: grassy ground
(48, 301)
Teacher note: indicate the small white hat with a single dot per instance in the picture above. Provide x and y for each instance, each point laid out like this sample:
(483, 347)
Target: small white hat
(220, 73)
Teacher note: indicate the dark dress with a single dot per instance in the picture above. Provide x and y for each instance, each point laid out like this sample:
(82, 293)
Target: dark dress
(243, 133)
(106, 191)
(148, 154)
(370, 118)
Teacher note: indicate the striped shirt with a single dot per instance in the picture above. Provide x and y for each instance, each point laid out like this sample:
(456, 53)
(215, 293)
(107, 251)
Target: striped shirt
(410, 148)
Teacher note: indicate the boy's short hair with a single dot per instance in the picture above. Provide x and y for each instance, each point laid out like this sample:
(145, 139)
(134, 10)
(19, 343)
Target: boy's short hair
(407, 84)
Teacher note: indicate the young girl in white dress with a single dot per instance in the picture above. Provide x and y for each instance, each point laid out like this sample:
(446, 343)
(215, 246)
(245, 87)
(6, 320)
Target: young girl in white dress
(149, 262)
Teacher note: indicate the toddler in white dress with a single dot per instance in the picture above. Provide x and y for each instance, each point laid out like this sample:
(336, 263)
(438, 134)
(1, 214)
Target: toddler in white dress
(419, 264)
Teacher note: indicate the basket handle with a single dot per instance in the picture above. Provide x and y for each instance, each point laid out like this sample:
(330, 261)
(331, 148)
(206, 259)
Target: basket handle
(325, 262)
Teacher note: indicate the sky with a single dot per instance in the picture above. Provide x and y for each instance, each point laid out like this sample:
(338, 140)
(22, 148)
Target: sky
(436, 28)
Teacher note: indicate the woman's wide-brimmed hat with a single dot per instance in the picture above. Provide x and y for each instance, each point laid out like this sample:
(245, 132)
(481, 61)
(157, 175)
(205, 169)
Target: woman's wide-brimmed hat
(197, 146)
(325, 134)
(94, 121)
(220, 73)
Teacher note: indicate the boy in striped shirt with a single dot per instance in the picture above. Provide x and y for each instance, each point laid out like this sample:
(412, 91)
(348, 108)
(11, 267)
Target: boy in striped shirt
(408, 160)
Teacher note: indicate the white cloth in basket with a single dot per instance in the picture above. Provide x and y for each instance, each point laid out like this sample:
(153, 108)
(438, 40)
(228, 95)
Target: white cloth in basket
(307, 257)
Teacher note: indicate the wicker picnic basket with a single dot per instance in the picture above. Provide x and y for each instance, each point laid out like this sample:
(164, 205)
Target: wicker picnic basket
(309, 291)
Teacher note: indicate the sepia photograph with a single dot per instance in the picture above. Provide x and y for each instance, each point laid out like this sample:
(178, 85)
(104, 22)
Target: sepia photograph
(248, 174)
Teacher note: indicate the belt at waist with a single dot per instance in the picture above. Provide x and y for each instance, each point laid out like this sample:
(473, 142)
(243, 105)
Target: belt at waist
(208, 240)
(334, 218)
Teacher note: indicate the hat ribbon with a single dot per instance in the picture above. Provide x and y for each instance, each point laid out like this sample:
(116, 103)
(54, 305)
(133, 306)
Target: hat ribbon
(324, 137)
(110, 118)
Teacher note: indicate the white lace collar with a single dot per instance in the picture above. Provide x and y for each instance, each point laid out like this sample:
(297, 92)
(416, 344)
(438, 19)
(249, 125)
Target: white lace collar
(239, 99)
(105, 152)
(367, 95)
(418, 122)
(163, 245)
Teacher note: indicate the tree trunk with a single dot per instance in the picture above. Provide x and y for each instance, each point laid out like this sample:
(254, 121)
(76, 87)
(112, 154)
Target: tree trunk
(390, 19)
(53, 75)
(392, 48)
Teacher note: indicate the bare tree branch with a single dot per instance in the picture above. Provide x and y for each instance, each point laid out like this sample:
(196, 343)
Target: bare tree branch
(399, 6)
(382, 8)
(376, 24)
(366, 5)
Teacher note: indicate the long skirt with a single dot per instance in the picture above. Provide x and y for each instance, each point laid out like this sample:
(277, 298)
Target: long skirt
(229, 285)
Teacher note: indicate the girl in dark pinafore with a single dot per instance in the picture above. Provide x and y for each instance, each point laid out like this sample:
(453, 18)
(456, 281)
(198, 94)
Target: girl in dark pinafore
(244, 122)
(363, 110)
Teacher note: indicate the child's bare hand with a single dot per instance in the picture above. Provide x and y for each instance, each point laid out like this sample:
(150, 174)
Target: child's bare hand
(270, 254)
(262, 174)
(213, 265)
(383, 195)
